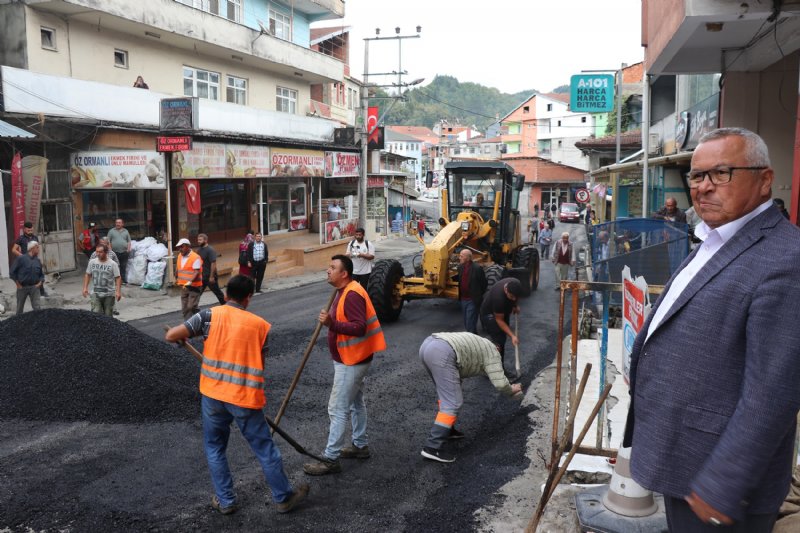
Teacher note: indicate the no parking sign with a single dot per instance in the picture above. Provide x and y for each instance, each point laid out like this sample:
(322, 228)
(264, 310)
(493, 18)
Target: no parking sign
(582, 196)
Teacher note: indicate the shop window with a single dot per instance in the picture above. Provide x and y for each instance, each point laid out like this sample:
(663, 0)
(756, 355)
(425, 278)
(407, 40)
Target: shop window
(224, 206)
(200, 83)
(48, 38)
(280, 25)
(120, 58)
(236, 90)
(132, 206)
(286, 100)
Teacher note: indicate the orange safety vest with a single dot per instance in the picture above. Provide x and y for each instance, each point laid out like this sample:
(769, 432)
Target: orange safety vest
(353, 350)
(186, 273)
(233, 367)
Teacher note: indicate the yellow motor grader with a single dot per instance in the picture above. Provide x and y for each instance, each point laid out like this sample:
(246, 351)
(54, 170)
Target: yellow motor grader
(479, 212)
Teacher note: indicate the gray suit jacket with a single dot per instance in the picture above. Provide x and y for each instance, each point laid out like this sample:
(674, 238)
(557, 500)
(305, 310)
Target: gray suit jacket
(716, 388)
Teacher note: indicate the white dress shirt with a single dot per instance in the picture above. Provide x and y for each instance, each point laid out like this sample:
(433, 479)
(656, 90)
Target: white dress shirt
(713, 240)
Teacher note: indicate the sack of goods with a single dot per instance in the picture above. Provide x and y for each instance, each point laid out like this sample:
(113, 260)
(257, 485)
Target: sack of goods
(155, 275)
(137, 269)
(156, 252)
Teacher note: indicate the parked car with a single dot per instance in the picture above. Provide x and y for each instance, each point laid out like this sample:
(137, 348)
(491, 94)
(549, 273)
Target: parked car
(569, 213)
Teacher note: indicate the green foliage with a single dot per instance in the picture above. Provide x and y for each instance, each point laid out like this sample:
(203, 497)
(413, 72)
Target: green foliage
(479, 105)
(561, 89)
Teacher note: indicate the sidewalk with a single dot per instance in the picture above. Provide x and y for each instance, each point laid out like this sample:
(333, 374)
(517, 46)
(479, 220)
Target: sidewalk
(65, 291)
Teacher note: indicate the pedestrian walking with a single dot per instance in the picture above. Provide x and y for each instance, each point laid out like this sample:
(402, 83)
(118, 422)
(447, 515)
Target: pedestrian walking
(189, 277)
(715, 368)
(497, 306)
(244, 262)
(362, 253)
(449, 358)
(563, 258)
(545, 239)
(354, 335)
(471, 288)
(257, 257)
(111, 254)
(106, 283)
(121, 242)
(235, 346)
(28, 275)
(209, 257)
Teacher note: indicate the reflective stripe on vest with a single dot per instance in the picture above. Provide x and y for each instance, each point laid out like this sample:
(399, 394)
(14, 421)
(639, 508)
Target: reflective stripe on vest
(233, 367)
(186, 273)
(353, 350)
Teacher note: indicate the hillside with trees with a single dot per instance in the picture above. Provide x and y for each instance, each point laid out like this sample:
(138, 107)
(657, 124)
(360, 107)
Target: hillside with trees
(447, 98)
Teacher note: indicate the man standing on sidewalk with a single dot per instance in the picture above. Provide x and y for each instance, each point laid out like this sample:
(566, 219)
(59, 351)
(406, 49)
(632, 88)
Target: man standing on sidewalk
(120, 241)
(471, 286)
(257, 257)
(209, 257)
(27, 273)
(362, 253)
(106, 282)
(232, 387)
(354, 335)
(189, 277)
(21, 246)
(563, 258)
(449, 358)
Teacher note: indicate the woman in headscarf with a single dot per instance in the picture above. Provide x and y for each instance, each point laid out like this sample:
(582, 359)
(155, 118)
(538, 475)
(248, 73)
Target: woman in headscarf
(244, 269)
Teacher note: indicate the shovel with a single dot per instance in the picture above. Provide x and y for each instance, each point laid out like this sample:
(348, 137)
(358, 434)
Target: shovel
(516, 346)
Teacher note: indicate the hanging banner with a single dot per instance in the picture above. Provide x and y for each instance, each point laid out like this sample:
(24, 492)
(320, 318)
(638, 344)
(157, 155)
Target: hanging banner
(192, 188)
(634, 312)
(372, 124)
(120, 169)
(34, 172)
(297, 163)
(213, 160)
(342, 164)
(17, 195)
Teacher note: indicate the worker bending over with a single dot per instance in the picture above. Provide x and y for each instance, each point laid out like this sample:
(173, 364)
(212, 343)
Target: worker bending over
(449, 358)
(232, 388)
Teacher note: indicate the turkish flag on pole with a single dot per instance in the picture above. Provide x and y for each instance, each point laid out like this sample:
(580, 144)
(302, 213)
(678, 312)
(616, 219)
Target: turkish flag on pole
(372, 124)
(17, 195)
(192, 188)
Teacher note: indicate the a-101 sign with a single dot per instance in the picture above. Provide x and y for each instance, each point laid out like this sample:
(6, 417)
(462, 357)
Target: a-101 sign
(591, 93)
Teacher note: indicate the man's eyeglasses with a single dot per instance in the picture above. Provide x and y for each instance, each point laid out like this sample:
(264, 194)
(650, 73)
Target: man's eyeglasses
(718, 176)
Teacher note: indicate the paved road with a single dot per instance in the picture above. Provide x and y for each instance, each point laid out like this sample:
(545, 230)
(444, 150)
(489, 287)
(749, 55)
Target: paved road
(154, 476)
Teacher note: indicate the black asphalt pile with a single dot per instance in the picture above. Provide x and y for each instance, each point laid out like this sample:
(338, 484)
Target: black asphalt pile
(65, 365)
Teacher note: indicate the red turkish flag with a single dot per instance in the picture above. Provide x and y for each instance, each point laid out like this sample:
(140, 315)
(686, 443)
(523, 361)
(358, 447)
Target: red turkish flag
(17, 196)
(192, 188)
(372, 124)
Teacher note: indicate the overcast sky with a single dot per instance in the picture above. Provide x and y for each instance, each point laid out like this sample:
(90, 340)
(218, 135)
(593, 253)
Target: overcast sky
(513, 45)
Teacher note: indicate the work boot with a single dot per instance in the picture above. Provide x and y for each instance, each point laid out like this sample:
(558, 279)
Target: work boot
(232, 508)
(455, 434)
(297, 496)
(322, 468)
(354, 452)
(437, 455)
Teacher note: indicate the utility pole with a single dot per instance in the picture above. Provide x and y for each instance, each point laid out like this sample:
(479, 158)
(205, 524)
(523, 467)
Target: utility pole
(370, 128)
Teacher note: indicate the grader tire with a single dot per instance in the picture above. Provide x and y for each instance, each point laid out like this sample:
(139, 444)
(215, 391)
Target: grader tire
(382, 289)
(526, 269)
(494, 273)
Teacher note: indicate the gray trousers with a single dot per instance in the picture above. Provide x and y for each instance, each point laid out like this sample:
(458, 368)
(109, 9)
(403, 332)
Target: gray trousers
(103, 304)
(440, 362)
(190, 302)
(32, 292)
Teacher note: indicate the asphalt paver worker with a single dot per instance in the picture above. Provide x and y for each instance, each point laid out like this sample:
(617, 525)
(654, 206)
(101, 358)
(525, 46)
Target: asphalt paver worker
(232, 389)
(189, 278)
(449, 358)
(354, 335)
(497, 306)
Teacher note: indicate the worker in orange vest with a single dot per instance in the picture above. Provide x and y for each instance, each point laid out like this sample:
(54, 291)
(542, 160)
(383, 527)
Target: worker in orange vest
(354, 335)
(189, 278)
(232, 389)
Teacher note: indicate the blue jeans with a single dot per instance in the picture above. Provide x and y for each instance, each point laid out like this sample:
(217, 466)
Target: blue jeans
(347, 399)
(217, 418)
(470, 313)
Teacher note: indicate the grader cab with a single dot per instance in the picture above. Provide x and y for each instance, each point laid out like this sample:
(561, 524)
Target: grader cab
(479, 213)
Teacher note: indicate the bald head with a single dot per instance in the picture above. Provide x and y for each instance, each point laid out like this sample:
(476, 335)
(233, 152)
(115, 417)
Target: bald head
(464, 256)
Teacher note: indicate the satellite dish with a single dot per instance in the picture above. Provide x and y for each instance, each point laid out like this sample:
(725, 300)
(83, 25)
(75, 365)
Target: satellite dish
(264, 27)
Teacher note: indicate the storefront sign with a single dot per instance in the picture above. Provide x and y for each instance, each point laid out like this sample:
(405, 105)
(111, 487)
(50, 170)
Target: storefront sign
(17, 195)
(340, 229)
(297, 163)
(591, 93)
(634, 312)
(178, 114)
(181, 143)
(342, 164)
(213, 160)
(124, 169)
(34, 172)
(696, 121)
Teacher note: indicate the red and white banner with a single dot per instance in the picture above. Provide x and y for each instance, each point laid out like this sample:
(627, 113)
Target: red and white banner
(634, 311)
(342, 164)
(17, 196)
(372, 124)
(192, 188)
(34, 172)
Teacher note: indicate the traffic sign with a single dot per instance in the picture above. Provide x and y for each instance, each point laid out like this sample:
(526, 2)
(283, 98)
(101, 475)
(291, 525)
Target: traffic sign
(591, 93)
(582, 196)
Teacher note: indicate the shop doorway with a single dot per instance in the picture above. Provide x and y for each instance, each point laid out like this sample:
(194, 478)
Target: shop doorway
(58, 240)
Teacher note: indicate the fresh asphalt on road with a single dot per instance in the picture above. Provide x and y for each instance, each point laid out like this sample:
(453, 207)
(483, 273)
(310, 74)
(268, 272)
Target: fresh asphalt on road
(154, 476)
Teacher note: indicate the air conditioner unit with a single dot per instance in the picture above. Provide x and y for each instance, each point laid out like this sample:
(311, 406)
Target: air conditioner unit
(654, 144)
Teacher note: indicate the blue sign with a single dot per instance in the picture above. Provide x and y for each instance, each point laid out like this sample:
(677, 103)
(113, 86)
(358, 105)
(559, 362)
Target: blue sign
(591, 93)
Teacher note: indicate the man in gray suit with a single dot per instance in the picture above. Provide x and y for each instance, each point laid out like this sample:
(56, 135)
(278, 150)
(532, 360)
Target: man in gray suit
(715, 371)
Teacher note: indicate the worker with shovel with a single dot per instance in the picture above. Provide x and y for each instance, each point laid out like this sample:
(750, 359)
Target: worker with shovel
(449, 358)
(232, 388)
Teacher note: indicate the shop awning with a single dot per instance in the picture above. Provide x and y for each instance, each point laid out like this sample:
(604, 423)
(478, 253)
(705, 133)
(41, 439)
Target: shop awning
(653, 162)
(13, 132)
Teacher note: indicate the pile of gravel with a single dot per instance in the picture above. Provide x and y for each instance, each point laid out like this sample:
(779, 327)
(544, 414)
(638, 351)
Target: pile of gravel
(66, 365)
